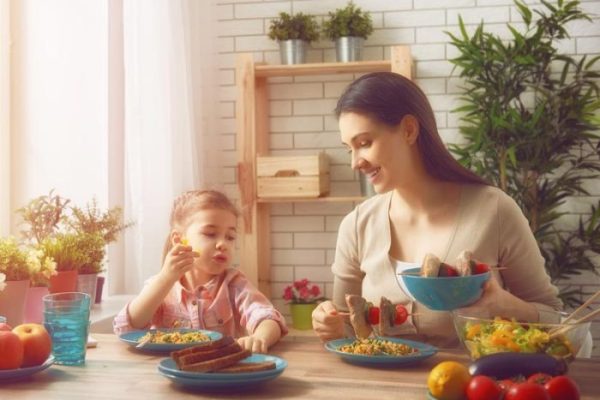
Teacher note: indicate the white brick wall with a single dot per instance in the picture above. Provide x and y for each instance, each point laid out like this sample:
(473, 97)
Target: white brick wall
(301, 121)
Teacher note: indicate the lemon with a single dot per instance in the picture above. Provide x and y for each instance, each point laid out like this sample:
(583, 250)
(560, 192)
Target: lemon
(448, 380)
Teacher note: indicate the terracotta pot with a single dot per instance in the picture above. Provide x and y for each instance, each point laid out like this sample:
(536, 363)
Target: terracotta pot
(12, 301)
(34, 306)
(302, 315)
(63, 281)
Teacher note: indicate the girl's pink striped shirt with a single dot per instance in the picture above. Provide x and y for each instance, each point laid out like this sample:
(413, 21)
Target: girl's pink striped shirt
(229, 304)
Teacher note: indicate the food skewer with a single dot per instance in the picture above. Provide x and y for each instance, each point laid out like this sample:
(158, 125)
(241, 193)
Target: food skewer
(419, 273)
(563, 329)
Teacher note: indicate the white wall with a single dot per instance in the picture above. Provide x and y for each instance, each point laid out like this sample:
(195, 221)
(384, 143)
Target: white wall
(303, 235)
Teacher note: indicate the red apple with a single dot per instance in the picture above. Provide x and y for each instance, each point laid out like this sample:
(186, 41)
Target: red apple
(37, 344)
(11, 350)
(5, 327)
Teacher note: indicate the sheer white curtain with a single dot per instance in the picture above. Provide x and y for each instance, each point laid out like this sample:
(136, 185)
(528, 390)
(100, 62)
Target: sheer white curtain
(4, 117)
(167, 78)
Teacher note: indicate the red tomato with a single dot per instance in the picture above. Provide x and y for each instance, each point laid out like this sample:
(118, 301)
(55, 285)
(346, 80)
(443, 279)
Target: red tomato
(527, 391)
(373, 315)
(482, 387)
(539, 378)
(506, 384)
(401, 314)
(480, 268)
(447, 270)
(562, 388)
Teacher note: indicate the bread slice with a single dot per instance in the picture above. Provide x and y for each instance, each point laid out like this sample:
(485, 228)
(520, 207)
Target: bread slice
(387, 315)
(464, 263)
(217, 363)
(201, 348)
(248, 367)
(197, 357)
(358, 318)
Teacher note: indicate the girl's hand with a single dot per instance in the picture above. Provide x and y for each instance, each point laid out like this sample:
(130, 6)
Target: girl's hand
(179, 260)
(327, 323)
(253, 343)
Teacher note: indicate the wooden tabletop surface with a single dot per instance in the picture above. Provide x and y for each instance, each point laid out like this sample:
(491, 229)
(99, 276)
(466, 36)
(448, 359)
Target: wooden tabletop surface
(115, 371)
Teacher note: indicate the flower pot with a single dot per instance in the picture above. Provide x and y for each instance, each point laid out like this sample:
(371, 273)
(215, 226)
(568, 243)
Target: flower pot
(292, 51)
(348, 48)
(86, 283)
(34, 305)
(63, 281)
(99, 287)
(302, 315)
(12, 301)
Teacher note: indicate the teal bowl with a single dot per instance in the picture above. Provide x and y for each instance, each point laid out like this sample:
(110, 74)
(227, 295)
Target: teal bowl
(445, 293)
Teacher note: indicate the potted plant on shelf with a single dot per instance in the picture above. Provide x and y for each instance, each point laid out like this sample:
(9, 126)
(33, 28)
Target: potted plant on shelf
(15, 267)
(303, 298)
(293, 33)
(530, 125)
(42, 269)
(348, 27)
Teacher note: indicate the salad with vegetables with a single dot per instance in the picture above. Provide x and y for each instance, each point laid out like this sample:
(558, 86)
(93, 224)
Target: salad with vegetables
(502, 335)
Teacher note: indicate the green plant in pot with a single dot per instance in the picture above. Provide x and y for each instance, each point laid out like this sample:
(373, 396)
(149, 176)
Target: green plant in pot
(15, 271)
(530, 125)
(293, 33)
(348, 27)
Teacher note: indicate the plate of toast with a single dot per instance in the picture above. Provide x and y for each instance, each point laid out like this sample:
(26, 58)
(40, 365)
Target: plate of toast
(167, 340)
(381, 350)
(220, 364)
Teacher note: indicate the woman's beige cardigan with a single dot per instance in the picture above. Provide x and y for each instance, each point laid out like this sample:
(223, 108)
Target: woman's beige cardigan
(490, 224)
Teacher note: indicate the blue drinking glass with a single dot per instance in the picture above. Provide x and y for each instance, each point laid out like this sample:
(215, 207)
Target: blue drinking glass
(67, 320)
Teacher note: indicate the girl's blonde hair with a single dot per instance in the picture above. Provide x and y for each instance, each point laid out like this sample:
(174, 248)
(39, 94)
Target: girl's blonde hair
(191, 202)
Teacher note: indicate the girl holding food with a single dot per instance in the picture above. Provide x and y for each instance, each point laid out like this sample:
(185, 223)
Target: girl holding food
(197, 287)
(426, 203)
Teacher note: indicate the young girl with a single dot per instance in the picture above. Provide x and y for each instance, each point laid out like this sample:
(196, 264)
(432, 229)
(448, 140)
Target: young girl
(197, 287)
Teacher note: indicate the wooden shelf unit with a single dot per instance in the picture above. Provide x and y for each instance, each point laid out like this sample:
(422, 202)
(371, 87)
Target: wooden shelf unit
(252, 126)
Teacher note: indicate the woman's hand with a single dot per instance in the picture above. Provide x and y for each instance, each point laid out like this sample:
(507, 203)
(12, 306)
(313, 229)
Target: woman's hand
(496, 301)
(327, 323)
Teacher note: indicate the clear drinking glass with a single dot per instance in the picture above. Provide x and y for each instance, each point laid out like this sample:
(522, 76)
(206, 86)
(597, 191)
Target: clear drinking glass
(67, 319)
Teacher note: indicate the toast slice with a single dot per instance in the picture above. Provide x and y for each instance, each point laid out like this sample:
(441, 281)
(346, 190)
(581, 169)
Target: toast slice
(248, 367)
(431, 266)
(217, 363)
(197, 357)
(201, 348)
(358, 309)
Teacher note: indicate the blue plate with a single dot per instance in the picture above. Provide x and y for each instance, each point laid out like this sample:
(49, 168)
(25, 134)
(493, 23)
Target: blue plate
(168, 369)
(131, 338)
(22, 372)
(424, 351)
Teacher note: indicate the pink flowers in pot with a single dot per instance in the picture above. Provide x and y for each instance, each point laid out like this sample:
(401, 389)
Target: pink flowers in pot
(302, 292)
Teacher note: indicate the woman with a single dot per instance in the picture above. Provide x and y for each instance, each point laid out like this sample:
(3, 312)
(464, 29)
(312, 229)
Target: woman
(426, 203)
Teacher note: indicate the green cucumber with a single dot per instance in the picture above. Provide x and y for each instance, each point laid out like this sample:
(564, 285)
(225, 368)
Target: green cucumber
(508, 365)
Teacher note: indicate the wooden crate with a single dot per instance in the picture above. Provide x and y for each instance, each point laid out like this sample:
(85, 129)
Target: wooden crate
(293, 176)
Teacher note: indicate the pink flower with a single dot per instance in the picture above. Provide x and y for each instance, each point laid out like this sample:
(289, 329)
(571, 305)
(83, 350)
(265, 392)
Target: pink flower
(302, 291)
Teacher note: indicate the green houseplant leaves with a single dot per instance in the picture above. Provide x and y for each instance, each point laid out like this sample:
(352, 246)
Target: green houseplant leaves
(529, 120)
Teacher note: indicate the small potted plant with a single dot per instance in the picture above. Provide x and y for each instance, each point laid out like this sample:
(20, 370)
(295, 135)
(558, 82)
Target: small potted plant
(15, 265)
(348, 27)
(303, 298)
(293, 33)
(99, 228)
(42, 269)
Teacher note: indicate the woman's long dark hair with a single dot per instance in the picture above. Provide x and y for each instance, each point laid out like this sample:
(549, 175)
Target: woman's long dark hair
(388, 97)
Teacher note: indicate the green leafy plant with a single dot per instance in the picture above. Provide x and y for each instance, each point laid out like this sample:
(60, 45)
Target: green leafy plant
(297, 26)
(19, 261)
(348, 21)
(530, 123)
(74, 237)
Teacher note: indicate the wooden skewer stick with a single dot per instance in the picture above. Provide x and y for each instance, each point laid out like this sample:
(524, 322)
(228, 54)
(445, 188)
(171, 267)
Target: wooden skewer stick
(419, 273)
(583, 306)
(563, 329)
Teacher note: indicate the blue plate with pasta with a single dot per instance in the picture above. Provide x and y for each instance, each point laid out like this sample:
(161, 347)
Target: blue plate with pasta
(167, 340)
(381, 350)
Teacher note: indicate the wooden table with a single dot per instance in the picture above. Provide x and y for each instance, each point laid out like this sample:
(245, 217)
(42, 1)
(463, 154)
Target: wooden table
(115, 371)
